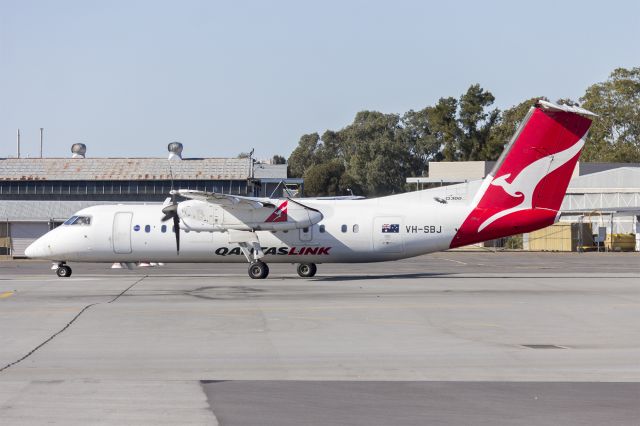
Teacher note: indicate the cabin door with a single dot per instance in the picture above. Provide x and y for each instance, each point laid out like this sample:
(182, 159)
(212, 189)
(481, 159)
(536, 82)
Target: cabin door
(122, 232)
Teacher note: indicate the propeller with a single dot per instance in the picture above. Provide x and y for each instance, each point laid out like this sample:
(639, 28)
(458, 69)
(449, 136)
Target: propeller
(171, 212)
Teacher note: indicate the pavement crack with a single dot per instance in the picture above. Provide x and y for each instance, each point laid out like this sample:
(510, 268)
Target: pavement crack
(127, 289)
(67, 325)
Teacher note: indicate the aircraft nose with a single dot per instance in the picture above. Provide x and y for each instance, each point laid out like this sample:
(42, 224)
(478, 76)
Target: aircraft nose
(35, 249)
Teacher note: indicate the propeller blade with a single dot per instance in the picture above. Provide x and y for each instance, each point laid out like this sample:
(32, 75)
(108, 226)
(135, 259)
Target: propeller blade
(176, 227)
(169, 212)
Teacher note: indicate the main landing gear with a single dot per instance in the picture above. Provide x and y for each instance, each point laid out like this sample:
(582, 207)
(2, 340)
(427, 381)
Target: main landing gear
(258, 270)
(307, 270)
(63, 271)
(250, 247)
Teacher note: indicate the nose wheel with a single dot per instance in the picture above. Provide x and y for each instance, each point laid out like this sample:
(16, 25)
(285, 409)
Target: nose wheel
(63, 271)
(307, 270)
(258, 270)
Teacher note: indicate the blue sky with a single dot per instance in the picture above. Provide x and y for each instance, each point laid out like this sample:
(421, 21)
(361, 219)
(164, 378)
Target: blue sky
(128, 77)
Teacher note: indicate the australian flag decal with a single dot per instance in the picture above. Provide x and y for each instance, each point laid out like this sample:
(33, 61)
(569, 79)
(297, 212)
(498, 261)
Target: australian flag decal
(392, 228)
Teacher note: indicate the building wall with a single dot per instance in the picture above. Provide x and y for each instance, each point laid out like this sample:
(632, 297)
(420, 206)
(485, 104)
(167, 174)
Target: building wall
(120, 190)
(462, 170)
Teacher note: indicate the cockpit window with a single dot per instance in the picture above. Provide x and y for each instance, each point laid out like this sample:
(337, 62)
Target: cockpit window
(78, 220)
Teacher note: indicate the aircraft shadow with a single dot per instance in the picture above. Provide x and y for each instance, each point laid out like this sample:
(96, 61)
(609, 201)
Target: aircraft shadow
(413, 275)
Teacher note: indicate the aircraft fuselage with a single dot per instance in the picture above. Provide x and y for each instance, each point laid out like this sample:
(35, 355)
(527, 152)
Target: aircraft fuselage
(350, 231)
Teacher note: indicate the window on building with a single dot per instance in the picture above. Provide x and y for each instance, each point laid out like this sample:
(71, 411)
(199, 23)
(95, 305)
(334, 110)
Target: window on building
(343, 228)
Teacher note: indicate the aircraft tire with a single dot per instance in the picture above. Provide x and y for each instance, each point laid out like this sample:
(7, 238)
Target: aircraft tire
(63, 271)
(258, 270)
(307, 270)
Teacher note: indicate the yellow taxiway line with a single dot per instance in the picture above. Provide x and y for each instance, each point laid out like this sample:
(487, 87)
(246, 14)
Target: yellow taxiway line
(6, 294)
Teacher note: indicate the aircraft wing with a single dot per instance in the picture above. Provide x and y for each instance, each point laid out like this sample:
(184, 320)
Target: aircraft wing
(225, 200)
(337, 197)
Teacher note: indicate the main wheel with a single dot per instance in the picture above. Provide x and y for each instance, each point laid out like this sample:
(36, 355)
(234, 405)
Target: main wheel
(258, 270)
(63, 271)
(307, 270)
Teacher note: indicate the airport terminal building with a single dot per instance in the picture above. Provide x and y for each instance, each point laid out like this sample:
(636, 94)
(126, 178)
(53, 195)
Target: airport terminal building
(37, 194)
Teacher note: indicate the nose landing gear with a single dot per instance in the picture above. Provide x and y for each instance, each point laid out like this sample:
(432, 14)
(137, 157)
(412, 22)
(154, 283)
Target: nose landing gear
(63, 271)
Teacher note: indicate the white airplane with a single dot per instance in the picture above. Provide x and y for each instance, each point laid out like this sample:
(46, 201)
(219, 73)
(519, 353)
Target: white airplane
(523, 193)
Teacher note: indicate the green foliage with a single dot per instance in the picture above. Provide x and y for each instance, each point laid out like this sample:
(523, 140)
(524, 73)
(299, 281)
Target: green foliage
(615, 134)
(325, 179)
(304, 156)
(278, 159)
(513, 242)
(377, 152)
(475, 123)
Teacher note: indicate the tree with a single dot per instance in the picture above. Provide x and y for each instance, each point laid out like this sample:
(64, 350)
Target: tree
(615, 133)
(375, 153)
(420, 139)
(324, 179)
(278, 159)
(442, 118)
(304, 156)
(462, 127)
(378, 151)
(475, 122)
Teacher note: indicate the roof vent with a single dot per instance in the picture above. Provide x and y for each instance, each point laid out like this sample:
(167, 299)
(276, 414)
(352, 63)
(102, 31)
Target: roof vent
(78, 150)
(175, 151)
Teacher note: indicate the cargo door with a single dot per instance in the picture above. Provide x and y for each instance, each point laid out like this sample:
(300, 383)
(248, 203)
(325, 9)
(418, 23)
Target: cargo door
(386, 234)
(122, 232)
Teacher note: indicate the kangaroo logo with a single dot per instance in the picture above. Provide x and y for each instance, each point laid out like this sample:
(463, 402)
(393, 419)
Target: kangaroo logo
(279, 214)
(525, 182)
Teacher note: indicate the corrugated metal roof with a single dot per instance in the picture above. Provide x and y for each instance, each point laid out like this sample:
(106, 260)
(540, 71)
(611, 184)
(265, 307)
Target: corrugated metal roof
(273, 171)
(123, 169)
(623, 177)
(36, 211)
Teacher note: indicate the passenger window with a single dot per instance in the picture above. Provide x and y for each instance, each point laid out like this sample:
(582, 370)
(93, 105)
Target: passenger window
(344, 228)
(147, 228)
(305, 230)
(356, 228)
(163, 228)
(321, 228)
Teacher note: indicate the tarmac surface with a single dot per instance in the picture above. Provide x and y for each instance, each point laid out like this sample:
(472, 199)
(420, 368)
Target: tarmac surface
(449, 338)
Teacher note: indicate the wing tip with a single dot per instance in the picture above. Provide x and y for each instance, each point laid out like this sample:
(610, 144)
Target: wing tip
(550, 106)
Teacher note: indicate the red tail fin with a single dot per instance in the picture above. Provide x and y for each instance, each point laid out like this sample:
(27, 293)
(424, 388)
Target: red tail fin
(525, 189)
